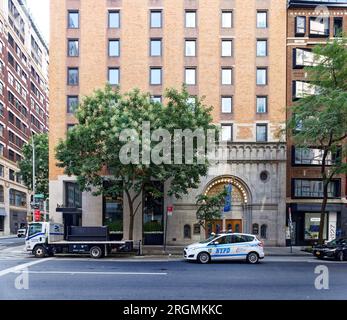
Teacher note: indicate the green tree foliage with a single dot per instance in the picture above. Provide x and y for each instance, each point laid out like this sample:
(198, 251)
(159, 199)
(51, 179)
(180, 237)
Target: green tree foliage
(41, 164)
(210, 207)
(92, 149)
(321, 119)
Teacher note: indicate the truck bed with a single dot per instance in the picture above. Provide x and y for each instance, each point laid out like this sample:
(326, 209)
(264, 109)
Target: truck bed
(87, 242)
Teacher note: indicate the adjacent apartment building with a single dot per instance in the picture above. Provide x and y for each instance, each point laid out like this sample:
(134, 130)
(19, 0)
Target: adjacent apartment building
(233, 52)
(23, 105)
(311, 23)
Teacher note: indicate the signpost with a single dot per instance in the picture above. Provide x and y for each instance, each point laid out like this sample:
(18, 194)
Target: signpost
(169, 213)
(290, 225)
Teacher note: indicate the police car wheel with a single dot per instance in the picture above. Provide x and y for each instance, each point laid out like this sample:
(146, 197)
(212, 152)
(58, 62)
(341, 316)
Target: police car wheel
(252, 258)
(204, 258)
(39, 252)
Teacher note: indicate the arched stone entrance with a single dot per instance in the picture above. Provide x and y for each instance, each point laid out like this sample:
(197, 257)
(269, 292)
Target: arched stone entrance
(236, 220)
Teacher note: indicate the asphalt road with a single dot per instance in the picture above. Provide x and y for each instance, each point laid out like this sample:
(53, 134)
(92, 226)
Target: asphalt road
(11, 242)
(279, 278)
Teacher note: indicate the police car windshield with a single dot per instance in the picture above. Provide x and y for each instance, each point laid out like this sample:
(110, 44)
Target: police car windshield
(209, 239)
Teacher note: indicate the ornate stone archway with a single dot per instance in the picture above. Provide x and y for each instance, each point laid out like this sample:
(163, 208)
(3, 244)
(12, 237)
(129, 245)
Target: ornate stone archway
(241, 199)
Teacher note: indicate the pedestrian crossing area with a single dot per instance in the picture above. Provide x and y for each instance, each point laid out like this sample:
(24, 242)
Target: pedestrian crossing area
(15, 253)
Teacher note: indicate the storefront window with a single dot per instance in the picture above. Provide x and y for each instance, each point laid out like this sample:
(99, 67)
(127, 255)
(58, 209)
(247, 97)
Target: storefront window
(113, 215)
(73, 195)
(312, 222)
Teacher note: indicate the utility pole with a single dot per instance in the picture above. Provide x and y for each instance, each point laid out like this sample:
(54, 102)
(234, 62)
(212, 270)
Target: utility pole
(34, 177)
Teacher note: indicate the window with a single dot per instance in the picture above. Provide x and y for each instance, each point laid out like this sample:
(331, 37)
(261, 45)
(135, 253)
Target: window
(255, 229)
(72, 104)
(227, 103)
(263, 231)
(155, 76)
(261, 104)
(73, 195)
(113, 76)
(113, 212)
(197, 228)
(72, 76)
(302, 89)
(155, 47)
(2, 198)
(261, 76)
(17, 198)
(300, 26)
(73, 19)
(312, 224)
(311, 156)
(113, 19)
(227, 48)
(157, 99)
(227, 19)
(304, 57)
(261, 48)
(2, 170)
(2, 223)
(187, 231)
(73, 48)
(1, 109)
(306, 188)
(190, 19)
(190, 48)
(2, 128)
(1, 149)
(338, 26)
(319, 27)
(261, 132)
(227, 132)
(190, 76)
(113, 48)
(226, 76)
(70, 126)
(262, 19)
(156, 21)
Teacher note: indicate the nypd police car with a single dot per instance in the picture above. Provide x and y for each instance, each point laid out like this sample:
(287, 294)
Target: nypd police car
(226, 246)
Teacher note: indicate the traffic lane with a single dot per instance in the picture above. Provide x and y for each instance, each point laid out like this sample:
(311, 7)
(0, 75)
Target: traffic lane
(12, 242)
(56, 279)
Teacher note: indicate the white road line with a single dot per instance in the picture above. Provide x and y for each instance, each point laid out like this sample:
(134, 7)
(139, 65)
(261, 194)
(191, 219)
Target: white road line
(21, 267)
(99, 273)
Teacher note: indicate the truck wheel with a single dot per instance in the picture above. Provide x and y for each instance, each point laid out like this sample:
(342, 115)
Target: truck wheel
(96, 252)
(204, 258)
(39, 252)
(252, 258)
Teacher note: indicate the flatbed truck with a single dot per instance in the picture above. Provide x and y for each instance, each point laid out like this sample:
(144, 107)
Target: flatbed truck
(47, 239)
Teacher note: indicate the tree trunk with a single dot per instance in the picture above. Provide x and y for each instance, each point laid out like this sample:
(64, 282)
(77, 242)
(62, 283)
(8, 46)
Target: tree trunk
(322, 213)
(131, 226)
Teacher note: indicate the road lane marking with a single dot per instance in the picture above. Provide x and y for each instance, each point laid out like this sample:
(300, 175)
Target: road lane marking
(22, 266)
(99, 273)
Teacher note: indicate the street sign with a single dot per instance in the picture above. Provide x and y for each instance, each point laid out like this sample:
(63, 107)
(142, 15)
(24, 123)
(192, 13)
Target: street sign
(39, 196)
(170, 211)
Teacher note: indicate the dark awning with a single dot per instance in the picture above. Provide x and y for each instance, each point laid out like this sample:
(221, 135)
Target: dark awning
(69, 210)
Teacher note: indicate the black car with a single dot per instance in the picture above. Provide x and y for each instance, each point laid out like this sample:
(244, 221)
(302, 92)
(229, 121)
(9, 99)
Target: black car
(336, 249)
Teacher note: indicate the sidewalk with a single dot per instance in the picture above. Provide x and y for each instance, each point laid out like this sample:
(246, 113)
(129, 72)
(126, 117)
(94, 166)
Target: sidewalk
(269, 251)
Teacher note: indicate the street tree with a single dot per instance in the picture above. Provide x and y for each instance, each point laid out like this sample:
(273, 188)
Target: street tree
(320, 119)
(41, 164)
(117, 147)
(210, 207)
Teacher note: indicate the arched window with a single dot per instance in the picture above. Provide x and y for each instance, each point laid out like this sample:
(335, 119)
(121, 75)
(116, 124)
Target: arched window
(2, 198)
(255, 229)
(187, 232)
(263, 231)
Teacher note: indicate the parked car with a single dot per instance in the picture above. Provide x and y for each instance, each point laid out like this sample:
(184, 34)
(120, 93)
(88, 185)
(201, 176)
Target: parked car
(21, 232)
(335, 249)
(226, 246)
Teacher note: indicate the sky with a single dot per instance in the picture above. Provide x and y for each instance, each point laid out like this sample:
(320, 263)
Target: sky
(40, 11)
